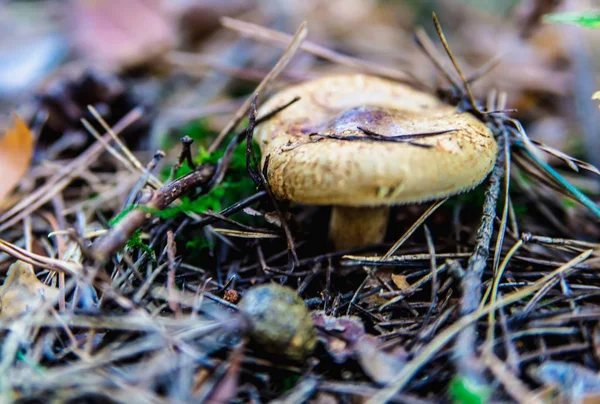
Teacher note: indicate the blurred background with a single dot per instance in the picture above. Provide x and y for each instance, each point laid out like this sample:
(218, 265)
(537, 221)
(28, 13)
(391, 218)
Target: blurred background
(190, 65)
(175, 58)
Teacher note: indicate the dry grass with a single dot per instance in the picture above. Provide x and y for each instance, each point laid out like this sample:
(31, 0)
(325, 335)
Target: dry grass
(493, 291)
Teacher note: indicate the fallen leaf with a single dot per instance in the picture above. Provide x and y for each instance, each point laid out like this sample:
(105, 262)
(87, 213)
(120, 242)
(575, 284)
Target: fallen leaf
(341, 334)
(400, 282)
(274, 218)
(116, 33)
(16, 149)
(22, 291)
(384, 275)
(345, 337)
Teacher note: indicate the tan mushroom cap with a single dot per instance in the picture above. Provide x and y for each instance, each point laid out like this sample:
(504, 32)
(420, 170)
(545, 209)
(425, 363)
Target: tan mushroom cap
(367, 173)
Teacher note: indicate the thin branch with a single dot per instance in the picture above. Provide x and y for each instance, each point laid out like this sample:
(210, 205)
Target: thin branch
(65, 175)
(285, 59)
(128, 154)
(204, 177)
(282, 219)
(466, 86)
(317, 137)
(485, 69)
(279, 38)
(467, 362)
(413, 228)
(251, 160)
(424, 42)
(141, 183)
(157, 200)
(441, 340)
(236, 207)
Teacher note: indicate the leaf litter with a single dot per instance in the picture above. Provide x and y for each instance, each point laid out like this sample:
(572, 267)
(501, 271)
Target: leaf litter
(490, 302)
(16, 152)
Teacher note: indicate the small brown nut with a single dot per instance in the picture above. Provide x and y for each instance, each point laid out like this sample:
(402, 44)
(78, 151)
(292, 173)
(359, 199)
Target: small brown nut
(280, 322)
(231, 296)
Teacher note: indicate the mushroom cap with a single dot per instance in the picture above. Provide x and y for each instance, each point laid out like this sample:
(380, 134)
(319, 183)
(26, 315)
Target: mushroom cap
(366, 172)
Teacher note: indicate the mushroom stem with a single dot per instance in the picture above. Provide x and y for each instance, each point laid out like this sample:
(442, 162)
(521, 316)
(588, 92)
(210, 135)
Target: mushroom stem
(353, 227)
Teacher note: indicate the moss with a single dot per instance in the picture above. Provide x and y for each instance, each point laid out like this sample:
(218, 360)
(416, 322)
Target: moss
(568, 203)
(236, 186)
(199, 130)
(199, 243)
(135, 242)
(474, 199)
(521, 210)
(464, 391)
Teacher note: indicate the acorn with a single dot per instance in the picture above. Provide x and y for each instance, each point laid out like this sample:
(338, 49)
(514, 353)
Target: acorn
(279, 321)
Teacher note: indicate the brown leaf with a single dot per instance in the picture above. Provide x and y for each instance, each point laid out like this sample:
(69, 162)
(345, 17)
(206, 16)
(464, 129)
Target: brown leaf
(16, 149)
(345, 337)
(384, 275)
(22, 291)
(341, 334)
(400, 282)
(122, 34)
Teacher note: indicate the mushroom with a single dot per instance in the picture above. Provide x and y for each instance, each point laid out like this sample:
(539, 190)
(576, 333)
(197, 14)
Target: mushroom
(344, 144)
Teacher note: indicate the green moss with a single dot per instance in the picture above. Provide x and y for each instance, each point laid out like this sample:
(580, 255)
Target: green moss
(465, 391)
(199, 243)
(289, 383)
(568, 203)
(241, 88)
(473, 199)
(520, 210)
(235, 186)
(135, 242)
(199, 130)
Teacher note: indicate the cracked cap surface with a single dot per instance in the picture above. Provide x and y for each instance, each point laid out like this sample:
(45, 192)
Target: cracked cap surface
(319, 170)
